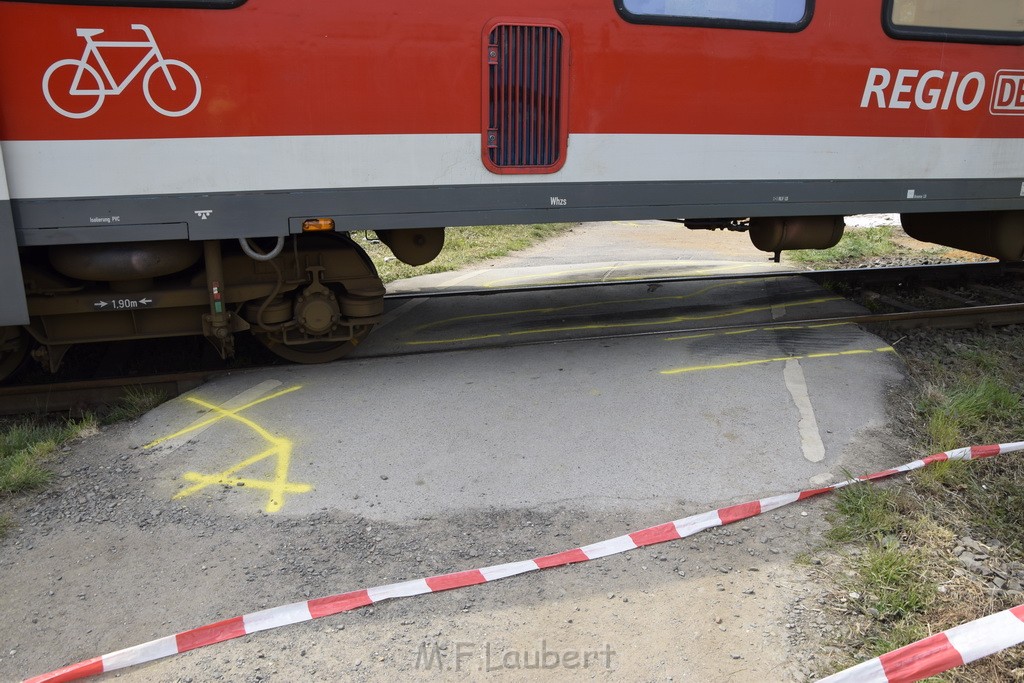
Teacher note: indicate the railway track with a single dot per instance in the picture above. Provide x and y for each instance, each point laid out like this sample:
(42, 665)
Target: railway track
(849, 276)
(916, 285)
(84, 396)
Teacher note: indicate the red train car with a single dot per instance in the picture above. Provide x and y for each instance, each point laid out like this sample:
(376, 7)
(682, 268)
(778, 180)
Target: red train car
(172, 167)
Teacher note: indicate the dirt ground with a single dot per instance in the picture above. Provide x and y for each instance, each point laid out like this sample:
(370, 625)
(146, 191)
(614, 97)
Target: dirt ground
(103, 560)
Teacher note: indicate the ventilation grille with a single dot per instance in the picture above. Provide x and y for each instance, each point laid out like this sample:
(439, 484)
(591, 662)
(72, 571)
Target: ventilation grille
(525, 101)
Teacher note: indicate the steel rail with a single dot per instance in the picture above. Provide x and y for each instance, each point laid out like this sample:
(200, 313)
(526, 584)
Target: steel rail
(918, 273)
(82, 396)
(947, 318)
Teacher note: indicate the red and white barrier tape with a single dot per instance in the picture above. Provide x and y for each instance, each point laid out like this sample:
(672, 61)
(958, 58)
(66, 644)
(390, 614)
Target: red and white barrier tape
(941, 652)
(335, 604)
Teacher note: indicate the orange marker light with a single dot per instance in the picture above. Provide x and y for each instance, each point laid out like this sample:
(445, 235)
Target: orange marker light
(318, 225)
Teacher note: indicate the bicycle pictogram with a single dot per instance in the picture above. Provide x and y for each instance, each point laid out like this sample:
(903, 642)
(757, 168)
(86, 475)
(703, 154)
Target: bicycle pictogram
(90, 85)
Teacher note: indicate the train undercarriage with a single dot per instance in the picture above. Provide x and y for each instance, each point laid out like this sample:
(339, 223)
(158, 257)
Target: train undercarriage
(312, 297)
(309, 298)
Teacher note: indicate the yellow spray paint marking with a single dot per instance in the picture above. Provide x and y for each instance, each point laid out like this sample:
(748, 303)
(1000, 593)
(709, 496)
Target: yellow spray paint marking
(764, 361)
(748, 330)
(279, 447)
(225, 413)
(657, 322)
(564, 277)
(548, 310)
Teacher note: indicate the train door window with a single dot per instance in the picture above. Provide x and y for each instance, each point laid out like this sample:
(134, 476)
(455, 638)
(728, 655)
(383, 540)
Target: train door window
(770, 15)
(979, 21)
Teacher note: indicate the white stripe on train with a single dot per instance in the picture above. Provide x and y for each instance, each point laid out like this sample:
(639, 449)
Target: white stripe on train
(102, 168)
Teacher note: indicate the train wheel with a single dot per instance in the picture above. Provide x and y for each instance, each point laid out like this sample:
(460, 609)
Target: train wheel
(13, 349)
(343, 292)
(315, 352)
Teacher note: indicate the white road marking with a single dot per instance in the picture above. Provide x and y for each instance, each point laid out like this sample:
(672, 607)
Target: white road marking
(810, 439)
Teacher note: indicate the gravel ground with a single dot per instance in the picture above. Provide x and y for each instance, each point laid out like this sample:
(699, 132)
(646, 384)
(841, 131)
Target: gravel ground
(98, 564)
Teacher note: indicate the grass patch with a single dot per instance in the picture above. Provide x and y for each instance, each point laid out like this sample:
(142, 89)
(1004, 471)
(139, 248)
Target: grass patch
(972, 410)
(894, 582)
(896, 635)
(25, 446)
(857, 244)
(867, 511)
(462, 247)
(991, 497)
(137, 401)
(5, 526)
(899, 539)
(942, 474)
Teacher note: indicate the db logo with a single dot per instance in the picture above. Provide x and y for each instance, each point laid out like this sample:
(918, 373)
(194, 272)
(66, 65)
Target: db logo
(1008, 93)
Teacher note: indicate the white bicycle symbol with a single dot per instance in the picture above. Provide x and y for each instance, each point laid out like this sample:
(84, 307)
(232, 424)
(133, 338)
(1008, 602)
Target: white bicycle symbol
(106, 85)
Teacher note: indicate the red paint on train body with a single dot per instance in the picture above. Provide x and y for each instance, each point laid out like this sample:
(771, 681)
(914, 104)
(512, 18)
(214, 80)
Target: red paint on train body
(276, 67)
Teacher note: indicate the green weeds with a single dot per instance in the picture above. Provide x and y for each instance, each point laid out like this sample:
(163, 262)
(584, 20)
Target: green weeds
(25, 446)
(462, 246)
(857, 244)
(894, 581)
(137, 401)
(970, 411)
(867, 512)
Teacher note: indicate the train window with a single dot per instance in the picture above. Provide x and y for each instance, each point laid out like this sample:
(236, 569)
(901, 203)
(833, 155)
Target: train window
(769, 15)
(181, 4)
(980, 21)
